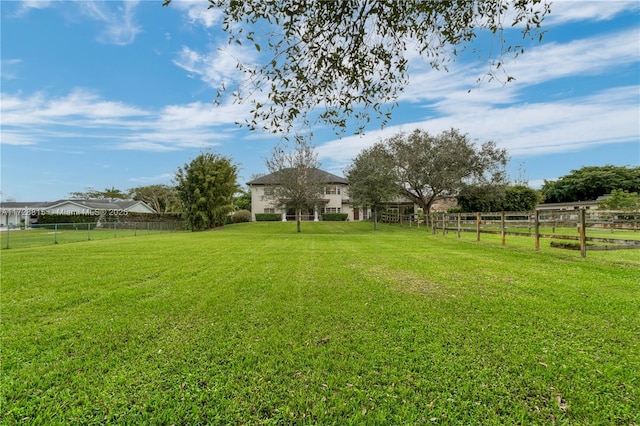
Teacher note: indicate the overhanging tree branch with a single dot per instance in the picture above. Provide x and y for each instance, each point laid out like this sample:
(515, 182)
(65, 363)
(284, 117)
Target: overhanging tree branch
(344, 61)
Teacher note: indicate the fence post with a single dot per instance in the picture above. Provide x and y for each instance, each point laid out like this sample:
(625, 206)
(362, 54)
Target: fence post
(8, 232)
(433, 223)
(613, 222)
(88, 231)
(444, 224)
(55, 234)
(536, 227)
(583, 234)
(459, 224)
(503, 233)
(478, 220)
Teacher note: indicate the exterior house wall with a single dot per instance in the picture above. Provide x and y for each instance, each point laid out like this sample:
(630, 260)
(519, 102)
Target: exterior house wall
(577, 205)
(11, 219)
(140, 208)
(337, 200)
(13, 214)
(260, 203)
(334, 200)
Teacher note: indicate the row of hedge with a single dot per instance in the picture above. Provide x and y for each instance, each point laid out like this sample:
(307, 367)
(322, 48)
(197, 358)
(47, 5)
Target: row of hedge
(236, 217)
(335, 217)
(275, 217)
(268, 217)
(106, 217)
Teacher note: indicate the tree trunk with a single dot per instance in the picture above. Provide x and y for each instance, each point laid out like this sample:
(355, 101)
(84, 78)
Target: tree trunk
(298, 214)
(375, 219)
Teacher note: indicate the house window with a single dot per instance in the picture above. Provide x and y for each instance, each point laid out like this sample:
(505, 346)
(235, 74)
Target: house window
(269, 210)
(268, 191)
(331, 210)
(332, 190)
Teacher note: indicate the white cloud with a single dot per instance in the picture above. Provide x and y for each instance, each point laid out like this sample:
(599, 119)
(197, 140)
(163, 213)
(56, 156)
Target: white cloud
(493, 112)
(8, 68)
(565, 11)
(120, 25)
(197, 12)
(459, 87)
(10, 137)
(608, 116)
(146, 146)
(118, 18)
(537, 183)
(83, 115)
(216, 67)
(147, 180)
(590, 56)
(78, 105)
(199, 114)
(27, 5)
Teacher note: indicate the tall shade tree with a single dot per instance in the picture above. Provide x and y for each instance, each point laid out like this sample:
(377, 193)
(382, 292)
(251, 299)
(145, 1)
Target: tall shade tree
(588, 183)
(108, 194)
(206, 187)
(298, 178)
(430, 167)
(349, 58)
(520, 198)
(372, 178)
(497, 198)
(621, 200)
(162, 198)
(242, 199)
(480, 198)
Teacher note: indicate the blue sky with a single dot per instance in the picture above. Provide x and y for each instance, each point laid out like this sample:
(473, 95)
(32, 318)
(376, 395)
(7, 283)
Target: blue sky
(119, 94)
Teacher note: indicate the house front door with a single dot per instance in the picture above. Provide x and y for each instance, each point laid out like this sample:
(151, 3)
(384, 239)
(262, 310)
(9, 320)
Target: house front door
(356, 214)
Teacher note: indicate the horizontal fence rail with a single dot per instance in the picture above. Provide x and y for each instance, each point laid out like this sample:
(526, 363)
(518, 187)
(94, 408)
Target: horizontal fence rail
(592, 230)
(60, 233)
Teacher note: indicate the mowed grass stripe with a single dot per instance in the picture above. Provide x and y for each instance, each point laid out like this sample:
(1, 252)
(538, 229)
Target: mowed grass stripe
(339, 324)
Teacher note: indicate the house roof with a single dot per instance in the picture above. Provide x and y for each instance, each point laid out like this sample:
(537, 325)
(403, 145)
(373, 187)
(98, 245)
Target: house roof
(100, 204)
(23, 204)
(273, 178)
(90, 204)
(574, 204)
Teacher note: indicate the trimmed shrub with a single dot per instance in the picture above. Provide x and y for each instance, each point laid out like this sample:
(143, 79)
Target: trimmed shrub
(106, 217)
(334, 217)
(65, 218)
(268, 217)
(241, 216)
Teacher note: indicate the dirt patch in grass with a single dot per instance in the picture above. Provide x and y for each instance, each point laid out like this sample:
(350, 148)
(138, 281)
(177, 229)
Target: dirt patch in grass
(406, 281)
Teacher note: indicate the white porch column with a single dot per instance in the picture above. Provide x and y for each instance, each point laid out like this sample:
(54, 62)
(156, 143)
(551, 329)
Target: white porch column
(284, 215)
(315, 214)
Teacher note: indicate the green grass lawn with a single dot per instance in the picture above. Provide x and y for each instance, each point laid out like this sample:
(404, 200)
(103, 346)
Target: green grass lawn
(257, 324)
(69, 233)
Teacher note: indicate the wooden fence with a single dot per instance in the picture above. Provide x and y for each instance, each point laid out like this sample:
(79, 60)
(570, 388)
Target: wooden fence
(588, 229)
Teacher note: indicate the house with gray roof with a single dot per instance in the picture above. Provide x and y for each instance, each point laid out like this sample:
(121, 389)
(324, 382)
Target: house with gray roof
(12, 214)
(335, 197)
